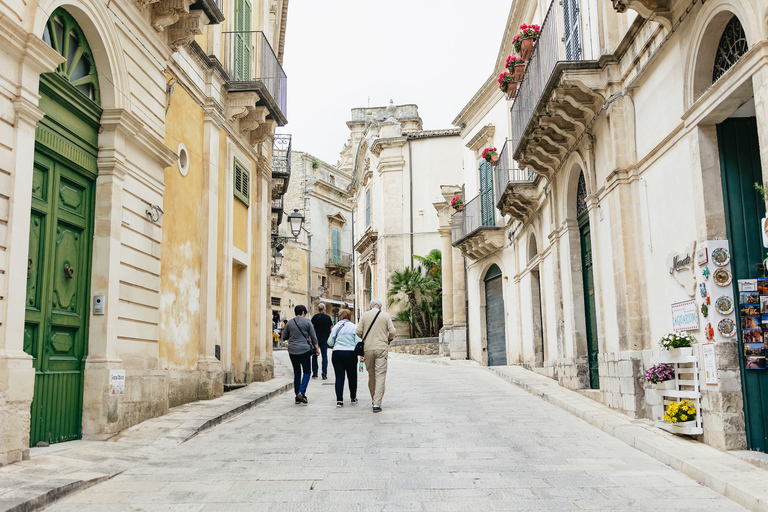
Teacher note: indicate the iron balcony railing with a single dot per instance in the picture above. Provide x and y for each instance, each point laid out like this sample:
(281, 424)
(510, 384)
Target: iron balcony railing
(249, 60)
(281, 157)
(506, 172)
(478, 213)
(551, 47)
(277, 205)
(338, 259)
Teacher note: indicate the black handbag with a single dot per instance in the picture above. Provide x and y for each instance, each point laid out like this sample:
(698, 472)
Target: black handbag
(360, 347)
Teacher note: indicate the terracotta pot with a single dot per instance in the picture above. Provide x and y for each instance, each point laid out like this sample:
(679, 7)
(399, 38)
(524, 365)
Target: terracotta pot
(494, 160)
(519, 72)
(511, 90)
(526, 47)
(459, 207)
(681, 352)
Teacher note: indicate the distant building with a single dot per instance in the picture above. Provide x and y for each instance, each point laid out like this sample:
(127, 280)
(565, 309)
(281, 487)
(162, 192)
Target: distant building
(319, 191)
(396, 165)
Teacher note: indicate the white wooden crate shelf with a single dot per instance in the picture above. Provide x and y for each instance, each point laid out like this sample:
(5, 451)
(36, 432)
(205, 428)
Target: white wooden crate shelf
(691, 390)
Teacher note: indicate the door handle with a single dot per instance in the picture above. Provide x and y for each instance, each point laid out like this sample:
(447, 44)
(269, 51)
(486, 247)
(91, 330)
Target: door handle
(69, 272)
(29, 267)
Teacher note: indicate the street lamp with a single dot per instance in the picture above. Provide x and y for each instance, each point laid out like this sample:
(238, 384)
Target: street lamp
(296, 221)
(278, 259)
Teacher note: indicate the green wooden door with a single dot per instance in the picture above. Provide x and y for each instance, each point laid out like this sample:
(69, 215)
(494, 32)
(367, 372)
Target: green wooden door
(589, 298)
(487, 207)
(58, 296)
(740, 169)
(243, 41)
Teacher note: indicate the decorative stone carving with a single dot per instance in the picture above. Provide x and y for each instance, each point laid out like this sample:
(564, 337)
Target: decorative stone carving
(518, 200)
(657, 10)
(264, 132)
(144, 3)
(253, 119)
(239, 104)
(167, 12)
(184, 31)
(482, 139)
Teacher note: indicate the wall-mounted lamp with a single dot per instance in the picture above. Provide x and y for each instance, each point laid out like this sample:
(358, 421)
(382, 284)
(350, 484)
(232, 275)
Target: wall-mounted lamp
(154, 213)
(278, 259)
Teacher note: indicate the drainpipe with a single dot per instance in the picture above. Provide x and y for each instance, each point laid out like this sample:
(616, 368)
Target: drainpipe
(410, 195)
(309, 272)
(466, 307)
(354, 267)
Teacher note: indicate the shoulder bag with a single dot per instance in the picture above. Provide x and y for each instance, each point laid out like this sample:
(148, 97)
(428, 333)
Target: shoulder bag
(311, 346)
(360, 347)
(332, 337)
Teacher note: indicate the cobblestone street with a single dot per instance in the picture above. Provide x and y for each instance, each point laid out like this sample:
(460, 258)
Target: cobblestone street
(449, 439)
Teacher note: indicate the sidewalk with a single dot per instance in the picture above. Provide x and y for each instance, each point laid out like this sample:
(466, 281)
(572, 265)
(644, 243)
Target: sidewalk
(736, 479)
(61, 469)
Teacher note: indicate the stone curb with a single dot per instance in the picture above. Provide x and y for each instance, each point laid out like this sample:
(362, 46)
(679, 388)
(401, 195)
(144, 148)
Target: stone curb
(34, 484)
(730, 476)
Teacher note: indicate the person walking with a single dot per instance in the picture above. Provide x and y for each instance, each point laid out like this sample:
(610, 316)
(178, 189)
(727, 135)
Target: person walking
(377, 331)
(343, 341)
(322, 324)
(302, 343)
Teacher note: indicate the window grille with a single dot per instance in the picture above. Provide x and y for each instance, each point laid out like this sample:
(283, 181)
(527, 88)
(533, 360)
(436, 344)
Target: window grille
(733, 44)
(275, 301)
(581, 195)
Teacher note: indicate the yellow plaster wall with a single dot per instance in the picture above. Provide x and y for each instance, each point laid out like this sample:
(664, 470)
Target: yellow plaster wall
(240, 223)
(181, 247)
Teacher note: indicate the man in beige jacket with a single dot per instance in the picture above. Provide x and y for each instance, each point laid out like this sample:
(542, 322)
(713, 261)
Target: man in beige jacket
(380, 333)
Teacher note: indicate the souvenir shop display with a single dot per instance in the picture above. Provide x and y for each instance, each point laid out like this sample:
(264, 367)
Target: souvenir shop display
(722, 277)
(721, 257)
(753, 309)
(724, 305)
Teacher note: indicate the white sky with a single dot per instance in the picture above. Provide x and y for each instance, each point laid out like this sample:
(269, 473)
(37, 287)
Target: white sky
(338, 53)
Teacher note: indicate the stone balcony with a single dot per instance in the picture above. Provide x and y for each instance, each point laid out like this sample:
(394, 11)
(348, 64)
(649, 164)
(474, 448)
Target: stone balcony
(516, 189)
(474, 229)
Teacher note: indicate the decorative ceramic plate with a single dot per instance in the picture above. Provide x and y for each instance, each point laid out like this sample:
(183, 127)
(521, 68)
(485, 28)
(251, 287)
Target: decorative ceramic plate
(727, 327)
(724, 305)
(721, 257)
(722, 277)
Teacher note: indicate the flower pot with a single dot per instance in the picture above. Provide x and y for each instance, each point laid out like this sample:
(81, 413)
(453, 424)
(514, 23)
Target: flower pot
(511, 90)
(681, 352)
(683, 424)
(526, 47)
(519, 72)
(459, 207)
(667, 384)
(494, 160)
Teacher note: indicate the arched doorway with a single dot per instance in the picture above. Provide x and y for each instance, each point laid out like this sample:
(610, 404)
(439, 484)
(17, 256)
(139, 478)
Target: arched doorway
(61, 233)
(587, 272)
(740, 169)
(494, 317)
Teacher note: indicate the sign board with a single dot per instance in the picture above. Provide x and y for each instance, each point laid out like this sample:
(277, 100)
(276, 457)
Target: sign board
(710, 368)
(685, 316)
(116, 382)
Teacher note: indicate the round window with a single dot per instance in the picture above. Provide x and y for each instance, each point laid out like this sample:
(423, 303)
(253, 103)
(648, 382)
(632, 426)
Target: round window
(183, 159)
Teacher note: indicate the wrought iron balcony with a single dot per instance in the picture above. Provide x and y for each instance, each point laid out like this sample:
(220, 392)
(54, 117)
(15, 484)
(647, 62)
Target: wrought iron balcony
(474, 230)
(277, 208)
(252, 66)
(338, 263)
(557, 97)
(281, 164)
(515, 188)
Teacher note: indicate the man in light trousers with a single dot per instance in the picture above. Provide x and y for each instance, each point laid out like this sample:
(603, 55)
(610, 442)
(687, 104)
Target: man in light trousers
(380, 333)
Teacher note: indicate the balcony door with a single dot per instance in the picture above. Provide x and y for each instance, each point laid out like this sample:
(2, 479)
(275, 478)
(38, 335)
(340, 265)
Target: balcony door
(571, 29)
(242, 40)
(336, 246)
(487, 216)
(587, 272)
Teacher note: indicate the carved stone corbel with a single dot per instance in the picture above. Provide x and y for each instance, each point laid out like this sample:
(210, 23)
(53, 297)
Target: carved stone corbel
(144, 3)
(239, 104)
(167, 12)
(183, 32)
(264, 133)
(656, 10)
(252, 120)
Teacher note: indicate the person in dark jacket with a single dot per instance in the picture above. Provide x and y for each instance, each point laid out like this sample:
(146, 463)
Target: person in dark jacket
(302, 343)
(323, 325)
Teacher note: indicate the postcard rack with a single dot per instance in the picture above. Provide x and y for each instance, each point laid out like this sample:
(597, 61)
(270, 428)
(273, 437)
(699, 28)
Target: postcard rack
(686, 386)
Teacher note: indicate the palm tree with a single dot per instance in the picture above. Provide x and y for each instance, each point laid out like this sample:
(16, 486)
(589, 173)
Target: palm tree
(411, 283)
(432, 263)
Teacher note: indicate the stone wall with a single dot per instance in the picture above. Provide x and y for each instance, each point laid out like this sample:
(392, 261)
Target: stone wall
(416, 346)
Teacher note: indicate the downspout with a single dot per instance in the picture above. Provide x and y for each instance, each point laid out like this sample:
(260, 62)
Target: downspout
(410, 195)
(309, 272)
(466, 307)
(354, 267)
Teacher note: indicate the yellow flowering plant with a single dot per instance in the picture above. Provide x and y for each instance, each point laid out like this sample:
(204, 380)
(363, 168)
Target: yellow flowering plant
(678, 412)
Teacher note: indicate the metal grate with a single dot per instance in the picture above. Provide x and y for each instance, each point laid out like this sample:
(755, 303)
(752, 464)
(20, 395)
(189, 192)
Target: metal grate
(581, 195)
(733, 44)
(281, 156)
(505, 172)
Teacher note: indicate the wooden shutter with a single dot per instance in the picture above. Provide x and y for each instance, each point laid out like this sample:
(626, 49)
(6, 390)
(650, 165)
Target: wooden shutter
(336, 246)
(242, 41)
(486, 194)
(242, 183)
(571, 29)
(367, 208)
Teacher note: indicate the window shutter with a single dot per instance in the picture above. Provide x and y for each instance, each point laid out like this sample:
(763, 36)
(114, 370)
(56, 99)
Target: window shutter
(571, 30)
(367, 208)
(336, 245)
(486, 194)
(242, 183)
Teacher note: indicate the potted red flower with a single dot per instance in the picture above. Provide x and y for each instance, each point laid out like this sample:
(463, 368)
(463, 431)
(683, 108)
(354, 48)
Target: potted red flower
(507, 84)
(516, 66)
(457, 204)
(523, 41)
(490, 155)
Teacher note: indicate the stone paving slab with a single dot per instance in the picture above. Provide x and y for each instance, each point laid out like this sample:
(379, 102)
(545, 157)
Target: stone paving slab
(732, 476)
(69, 467)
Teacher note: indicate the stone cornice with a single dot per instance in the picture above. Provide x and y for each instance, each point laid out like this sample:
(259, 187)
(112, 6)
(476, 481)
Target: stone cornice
(130, 126)
(387, 143)
(482, 138)
(26, 111)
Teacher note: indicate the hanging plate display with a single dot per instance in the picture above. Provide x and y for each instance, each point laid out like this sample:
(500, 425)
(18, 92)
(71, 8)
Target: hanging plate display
(724, 305)
(721, 257)
(722, 277)
(726, 327)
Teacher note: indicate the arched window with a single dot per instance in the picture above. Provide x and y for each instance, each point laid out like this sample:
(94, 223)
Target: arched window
(733, 44)
(63, 34)
(532, 247)
(581, 195)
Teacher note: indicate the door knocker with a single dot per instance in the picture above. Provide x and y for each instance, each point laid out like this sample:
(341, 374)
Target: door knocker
(69, 272)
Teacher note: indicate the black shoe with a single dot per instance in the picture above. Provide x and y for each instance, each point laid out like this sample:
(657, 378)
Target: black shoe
(354, 400)
(298, 402)
(376, 408)
(302, 398)
(314, 376)
(339, 404)
(325, 377)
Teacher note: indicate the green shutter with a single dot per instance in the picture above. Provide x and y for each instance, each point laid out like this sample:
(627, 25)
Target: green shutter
(242, 40)
(242, 183)
(336, 246)
(367, 208)
(486, 194)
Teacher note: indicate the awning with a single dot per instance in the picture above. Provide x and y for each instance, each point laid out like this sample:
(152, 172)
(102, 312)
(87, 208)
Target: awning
(337, 302)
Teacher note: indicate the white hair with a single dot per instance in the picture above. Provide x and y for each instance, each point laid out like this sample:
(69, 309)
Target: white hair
(376, 303)
(321, 306)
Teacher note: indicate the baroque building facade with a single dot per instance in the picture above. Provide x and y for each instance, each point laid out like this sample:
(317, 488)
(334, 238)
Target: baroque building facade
(316, 265)
(135, 178)
(394, 163)
(628, 160)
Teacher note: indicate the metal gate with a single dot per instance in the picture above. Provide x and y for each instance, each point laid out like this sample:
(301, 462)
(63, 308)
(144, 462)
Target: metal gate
(494, 318)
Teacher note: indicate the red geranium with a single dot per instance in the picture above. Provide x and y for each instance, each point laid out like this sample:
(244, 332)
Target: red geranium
(487, 153)
(511, 61)
(456, 201)
(504, 79)
(525, 31)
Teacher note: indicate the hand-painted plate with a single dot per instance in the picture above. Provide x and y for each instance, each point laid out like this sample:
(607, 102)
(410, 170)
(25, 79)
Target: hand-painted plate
(724, 305)
(722, 277)
(726, 327)
(721, 257)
